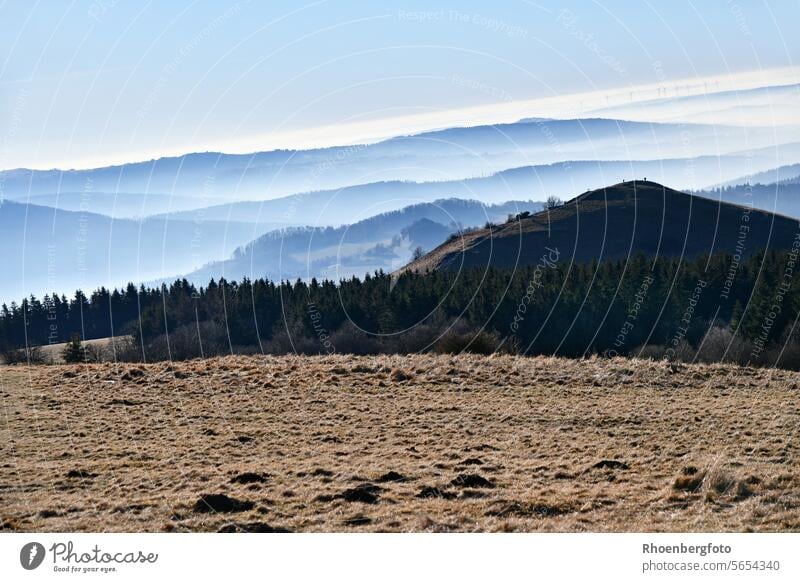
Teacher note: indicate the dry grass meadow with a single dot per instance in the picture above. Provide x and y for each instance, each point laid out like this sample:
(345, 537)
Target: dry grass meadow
(399, 443)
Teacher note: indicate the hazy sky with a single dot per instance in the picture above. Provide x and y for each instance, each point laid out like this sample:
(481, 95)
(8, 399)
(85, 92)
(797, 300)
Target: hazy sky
(88, 83)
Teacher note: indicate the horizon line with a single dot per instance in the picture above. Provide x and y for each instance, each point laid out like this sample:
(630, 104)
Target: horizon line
(556, 107)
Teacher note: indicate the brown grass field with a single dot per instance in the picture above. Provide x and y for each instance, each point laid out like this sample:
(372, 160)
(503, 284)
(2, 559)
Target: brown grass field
(399, 443)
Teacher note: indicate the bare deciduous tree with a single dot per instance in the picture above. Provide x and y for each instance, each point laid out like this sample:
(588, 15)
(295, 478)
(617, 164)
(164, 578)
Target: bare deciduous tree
(552, 202)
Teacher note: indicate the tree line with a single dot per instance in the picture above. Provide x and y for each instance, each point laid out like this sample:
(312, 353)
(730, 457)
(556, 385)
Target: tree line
(708, 308)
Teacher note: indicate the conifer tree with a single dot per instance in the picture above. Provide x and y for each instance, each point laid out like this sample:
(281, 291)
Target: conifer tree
(74, 352)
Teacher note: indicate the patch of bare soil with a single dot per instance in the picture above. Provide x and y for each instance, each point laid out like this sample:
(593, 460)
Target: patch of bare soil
(398, 443)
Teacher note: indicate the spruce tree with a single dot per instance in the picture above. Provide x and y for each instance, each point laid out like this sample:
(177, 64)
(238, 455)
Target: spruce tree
(74, 351)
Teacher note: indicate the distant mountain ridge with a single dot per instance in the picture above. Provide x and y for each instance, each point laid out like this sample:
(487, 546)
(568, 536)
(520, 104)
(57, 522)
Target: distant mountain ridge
(782, 197)
(449, 154)
(563, 179)
(772, 106)
(118, 205)
(780, 174)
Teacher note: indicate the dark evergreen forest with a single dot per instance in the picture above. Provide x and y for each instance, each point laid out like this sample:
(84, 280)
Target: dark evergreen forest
(708, 308)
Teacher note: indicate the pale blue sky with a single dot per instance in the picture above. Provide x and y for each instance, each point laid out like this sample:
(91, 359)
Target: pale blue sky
(88, 83)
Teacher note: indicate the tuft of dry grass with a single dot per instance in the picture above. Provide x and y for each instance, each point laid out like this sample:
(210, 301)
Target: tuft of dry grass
(399, 443)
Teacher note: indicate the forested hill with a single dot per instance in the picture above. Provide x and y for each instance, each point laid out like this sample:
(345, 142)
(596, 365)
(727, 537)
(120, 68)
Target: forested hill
(616, 222)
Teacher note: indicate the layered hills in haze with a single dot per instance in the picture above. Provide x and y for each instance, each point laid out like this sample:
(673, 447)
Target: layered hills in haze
(562, 179)
(48, 250)
(158, 219)
(449, 155)
(383, 242)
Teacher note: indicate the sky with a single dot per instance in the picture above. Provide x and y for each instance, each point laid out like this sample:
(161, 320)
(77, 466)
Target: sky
(92, 83)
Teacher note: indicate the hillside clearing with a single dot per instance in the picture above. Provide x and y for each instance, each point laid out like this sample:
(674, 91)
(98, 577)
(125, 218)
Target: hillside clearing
(54, 353)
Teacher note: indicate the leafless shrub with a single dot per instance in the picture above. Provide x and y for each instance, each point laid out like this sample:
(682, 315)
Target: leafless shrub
(420, 337)
(245, 350)
(460, 338)
(36, 355)
(348, 339)
(682, 352)
(650, 352)
(189, 341)
(417, 339)
(97, 353)
(127, 349)
(720, 344)
(785, 353)
(785, 356)
(283, 342)
(29, 355)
